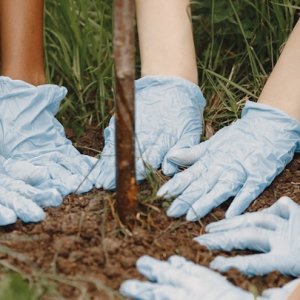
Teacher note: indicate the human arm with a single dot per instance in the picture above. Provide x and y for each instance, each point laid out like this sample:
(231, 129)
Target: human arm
(169, 104)
(282, 89)
(242, 159)
(166, 38)
(28, 128)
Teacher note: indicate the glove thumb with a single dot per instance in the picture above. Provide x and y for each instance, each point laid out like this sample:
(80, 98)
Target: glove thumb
(170, 167)
(187, 156)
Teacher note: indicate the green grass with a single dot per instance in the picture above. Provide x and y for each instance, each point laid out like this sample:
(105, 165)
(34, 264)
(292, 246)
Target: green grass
(237, 42)
(78, 50)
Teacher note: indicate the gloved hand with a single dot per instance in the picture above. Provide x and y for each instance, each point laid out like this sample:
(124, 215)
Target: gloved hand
(168, 117)
(282, 293)
(240, 160)
(18, 199)
(274, 231)
(179, 279)
(30, 133)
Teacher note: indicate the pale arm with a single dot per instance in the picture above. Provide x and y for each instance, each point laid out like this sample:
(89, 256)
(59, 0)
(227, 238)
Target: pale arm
(166, 38)
(282, 89)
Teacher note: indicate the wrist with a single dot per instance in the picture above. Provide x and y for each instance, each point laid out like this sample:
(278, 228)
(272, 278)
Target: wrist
(190, 90)
(269, 112)
(290, 108)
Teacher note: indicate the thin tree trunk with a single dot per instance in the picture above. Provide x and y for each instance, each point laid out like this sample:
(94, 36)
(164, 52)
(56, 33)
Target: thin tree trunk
(124, 59)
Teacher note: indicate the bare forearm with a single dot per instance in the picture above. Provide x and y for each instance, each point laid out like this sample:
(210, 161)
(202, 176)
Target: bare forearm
(282, 89)
(166, 38)
(21, 31)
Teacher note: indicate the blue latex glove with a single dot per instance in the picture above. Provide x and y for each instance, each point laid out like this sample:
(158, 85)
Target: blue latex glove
(179, 279)
(274, 231)
(168, 117)
(30, 133)
(282, 293)
(20, 200)
(240, 160)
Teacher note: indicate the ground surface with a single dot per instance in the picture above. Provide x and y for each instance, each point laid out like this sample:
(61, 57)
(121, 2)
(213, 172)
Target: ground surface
(82, 252)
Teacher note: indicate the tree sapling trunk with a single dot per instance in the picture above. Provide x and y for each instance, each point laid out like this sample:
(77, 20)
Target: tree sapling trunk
(124, 59)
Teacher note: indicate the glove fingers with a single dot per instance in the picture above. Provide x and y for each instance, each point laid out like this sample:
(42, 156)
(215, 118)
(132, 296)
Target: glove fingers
(78, 167)
(181, 181)
(250, 238)
(255, 219)
(153, 155)
(195, 270)
(274, 294)
(187, 199)
(135, 289)
(7, 216)
(218, 194)
(185, 142)
(65, 181)
(184, 275)
(164, 273)
(26, 171)
(44, 198)
(258, 264)
(244, 198)
(105, 171)
(282, 208)
(46, 174)
(24, 208)
(169, 168)
(92, 163)
(187, 157)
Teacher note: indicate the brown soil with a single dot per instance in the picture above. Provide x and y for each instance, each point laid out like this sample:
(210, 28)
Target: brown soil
(83, 249)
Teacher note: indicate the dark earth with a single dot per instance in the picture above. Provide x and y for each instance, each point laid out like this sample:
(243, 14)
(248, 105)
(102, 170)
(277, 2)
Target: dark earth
(82, 251)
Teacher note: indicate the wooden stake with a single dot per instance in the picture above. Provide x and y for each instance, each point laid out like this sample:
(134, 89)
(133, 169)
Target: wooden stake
(124, 59)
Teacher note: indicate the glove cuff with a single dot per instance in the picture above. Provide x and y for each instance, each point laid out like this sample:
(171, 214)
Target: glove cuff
(193, 90)
(281, 119)
(51, 94)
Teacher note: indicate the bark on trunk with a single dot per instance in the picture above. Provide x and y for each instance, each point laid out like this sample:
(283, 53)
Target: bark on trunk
(124, 59)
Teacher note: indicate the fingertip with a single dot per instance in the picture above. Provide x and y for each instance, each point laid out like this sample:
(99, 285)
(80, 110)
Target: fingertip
(177, 209)
(234, 210)
(109, 184)
(84, 186)
(145, 260)
(219, 264)
(163, 191)
(35, 215)
(191, 216)
(129, 288)
(182, 157)
(7, 216)
(168, 168)
(48, 198)
(57, 198)
(63, 91)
